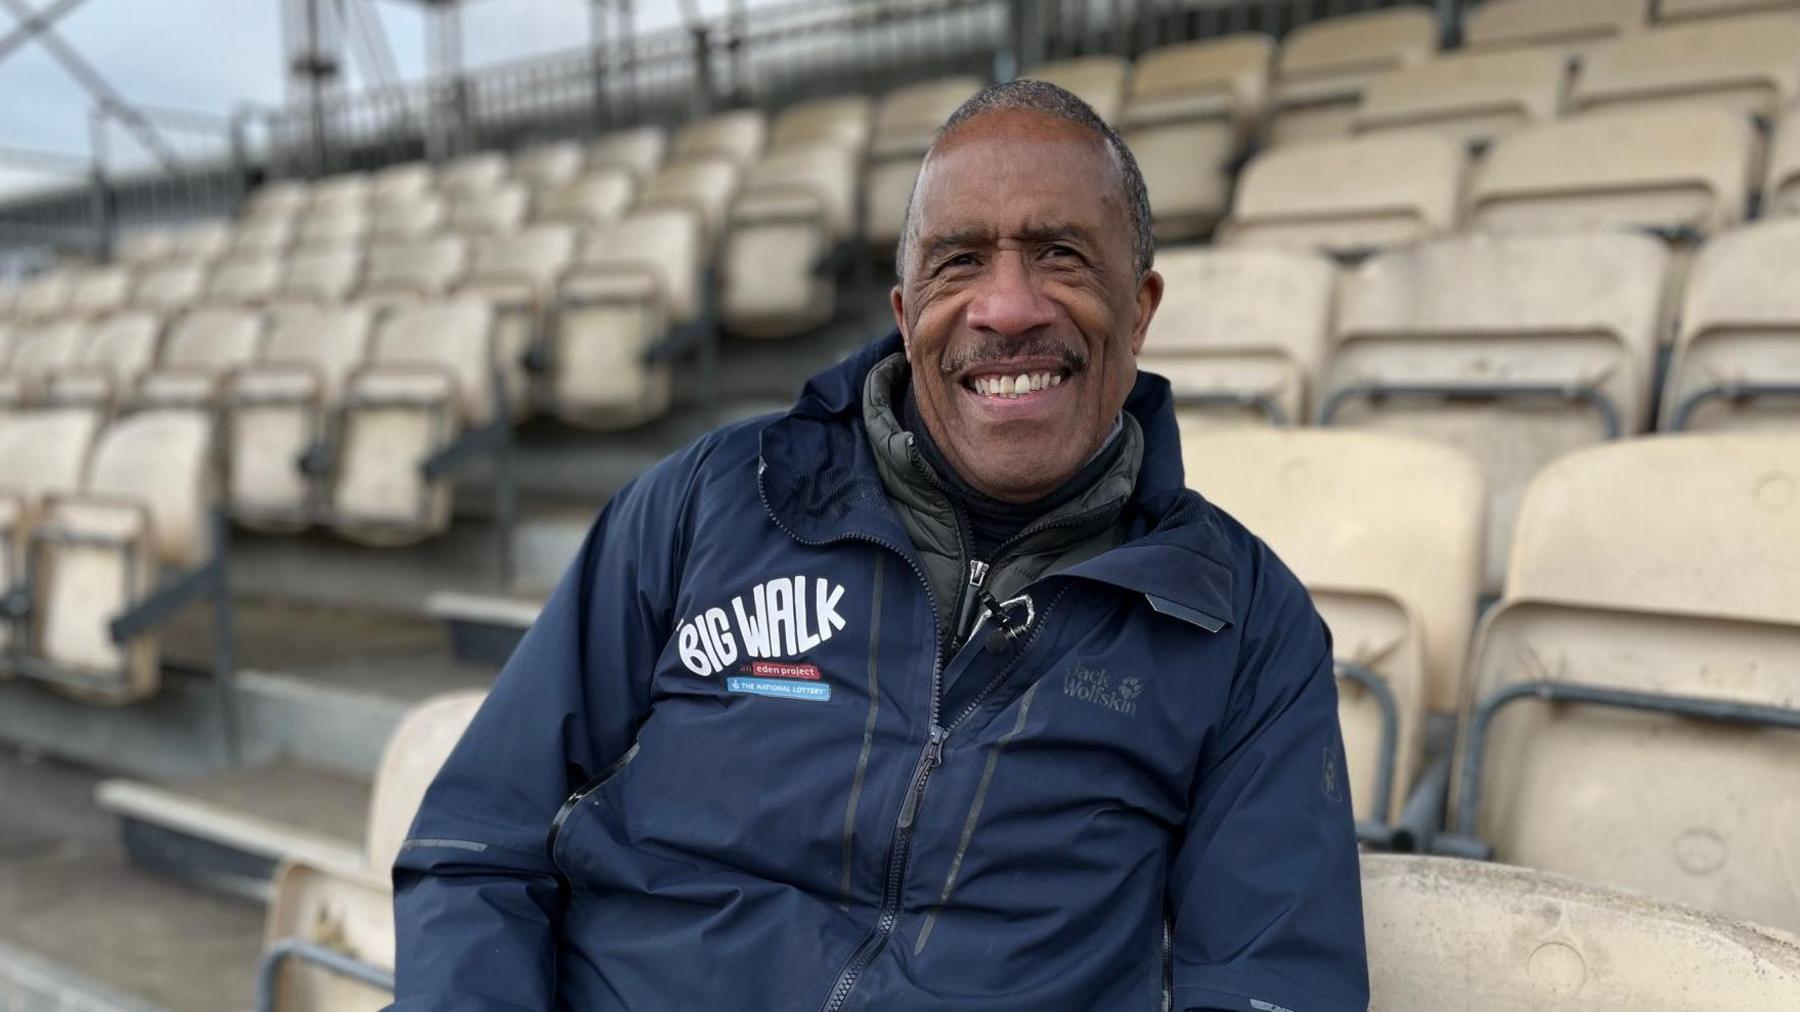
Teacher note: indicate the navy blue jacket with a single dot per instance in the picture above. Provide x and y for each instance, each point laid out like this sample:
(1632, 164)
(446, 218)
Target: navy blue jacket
(716, 776)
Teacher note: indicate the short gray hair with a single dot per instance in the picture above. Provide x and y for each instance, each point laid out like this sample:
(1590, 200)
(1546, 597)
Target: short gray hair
(1026, 95)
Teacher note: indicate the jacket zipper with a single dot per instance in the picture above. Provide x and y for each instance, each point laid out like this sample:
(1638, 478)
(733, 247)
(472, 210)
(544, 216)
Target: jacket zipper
(1168, 964)
(574, 801)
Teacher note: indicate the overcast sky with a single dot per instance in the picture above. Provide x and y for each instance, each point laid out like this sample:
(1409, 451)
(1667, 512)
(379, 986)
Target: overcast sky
(215, 55)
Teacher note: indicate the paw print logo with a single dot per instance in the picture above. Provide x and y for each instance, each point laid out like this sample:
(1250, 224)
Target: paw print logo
(1130, 687)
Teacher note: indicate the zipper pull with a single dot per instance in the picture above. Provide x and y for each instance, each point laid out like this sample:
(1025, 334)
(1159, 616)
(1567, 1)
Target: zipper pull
(934, 754)
(978, 571)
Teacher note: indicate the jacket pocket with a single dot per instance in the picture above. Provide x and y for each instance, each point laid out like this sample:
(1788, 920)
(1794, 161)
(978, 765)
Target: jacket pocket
(581, 795)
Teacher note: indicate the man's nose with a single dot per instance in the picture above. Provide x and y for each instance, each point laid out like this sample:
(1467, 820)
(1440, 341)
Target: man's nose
(1008, 301)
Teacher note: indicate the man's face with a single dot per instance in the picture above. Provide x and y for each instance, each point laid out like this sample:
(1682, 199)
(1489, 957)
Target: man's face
(1019, 302)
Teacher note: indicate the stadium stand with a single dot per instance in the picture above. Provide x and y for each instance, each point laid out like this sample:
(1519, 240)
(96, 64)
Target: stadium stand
(1434, 340)
(116, 352)
(833, 122)
(201, 350)
(1193, 110)
(1324, 66)
(1399, 630)
(39, 350)
(594, 198)
(320, 274)
(244, 279)
(905, 122)
(473, 174)
(639, 151)
(1100, 81)
(1653, 662)
(1566, 29)
(518, 274)
(1745, 65)
(413, 271)
(169, 287)
(705, 186)
(550, 165)
(734, 137)
(43, 297)
(1488, 938)
(796, 206)
(1468, 97)
(1737, 352)
(97, 290)
(1241, 333)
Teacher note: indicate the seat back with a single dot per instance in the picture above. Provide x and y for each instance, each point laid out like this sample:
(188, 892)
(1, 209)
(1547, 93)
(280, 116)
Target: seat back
(327, 341)
(121, 347)
(1470, 97)
(162, 460)
(281, 198)
(546, 166)
(1394, 501)
(735, 137)
(1554, 25)
(705, 187)
(498, 209)
(814, 182)
(905, 123)
(403, 183)
(169, 287)
(44, 452)
(1100, 81)
(45, 295)
(1349, 196)
(414, 753)
(41, 349)
(425, 268)
(1781, 189)
(1679, 10)
(449, 335)
(1448, 314)
(668, 245)
(346, 192)
(1484, 937)
(1662, 567)
(529, 262)
(213, 341)
(244, 279)
(842, 122)
(599, 196)
(638, 150)
(1240, 331)
(1324, 65)
(99, 290)
(473, 174)
(203, 240)
(1673, 170)
(403, 219)
(327, 275)
(1742, 65)
(1739, 327)
(266, 235)
(145, 245)
(339, 228)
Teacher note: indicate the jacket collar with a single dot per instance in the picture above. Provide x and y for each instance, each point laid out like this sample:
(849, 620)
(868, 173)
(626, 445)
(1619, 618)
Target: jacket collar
(819, 481)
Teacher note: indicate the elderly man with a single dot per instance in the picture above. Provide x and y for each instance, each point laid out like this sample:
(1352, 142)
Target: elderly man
(940, 691)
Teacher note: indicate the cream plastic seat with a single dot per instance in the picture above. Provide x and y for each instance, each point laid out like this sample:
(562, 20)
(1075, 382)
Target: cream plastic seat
(1480, 937)
(1241, 333)
(906, 122)
(843, 122)
(201, 351)
(326, 275)
(638, 150)
(547, 166)
(408, 219)
(281, 407)
(1737, 351)
(1675, 171)
(169, 288)
(705, 187)
(794, 209)
(351, 910)
(116, 353)
(98, 290)
(202, 241)
(473, 174)
(428, 378)
(736, 137)
(1781, 190)
(347, 192)
(597, 197)
(268, 236)
(1436, 341)
(44, 296)
(496, 210)
(1100, 81)
(346, 227)
(1680, 10)
(518, 275)
(142, 510)
(1645, 577)
(1324, 65)
(244, 280)
(416, 270)
(1193, 109)
(1554, 26)
(1745, 65)
(1348, 197)
(404, 183)
(39, 351)
(1469, 97)
(280, 199)
(637, 280)
(145, 246)
(1394, 567)
(41, 453)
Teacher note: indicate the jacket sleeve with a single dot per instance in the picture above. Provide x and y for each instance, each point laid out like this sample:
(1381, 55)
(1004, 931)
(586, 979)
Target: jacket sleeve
(477, 898)
(1265, 891)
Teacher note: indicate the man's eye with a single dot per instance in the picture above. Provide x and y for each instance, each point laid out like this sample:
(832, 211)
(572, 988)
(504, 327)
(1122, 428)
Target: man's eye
(1060, 251)
(962, 260)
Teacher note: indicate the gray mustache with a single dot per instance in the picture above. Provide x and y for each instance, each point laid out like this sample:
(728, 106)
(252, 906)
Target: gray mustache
(1005, 351)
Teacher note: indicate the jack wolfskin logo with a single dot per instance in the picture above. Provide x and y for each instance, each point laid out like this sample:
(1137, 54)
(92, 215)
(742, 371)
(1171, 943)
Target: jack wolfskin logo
(1094, 685)
(1330, 780)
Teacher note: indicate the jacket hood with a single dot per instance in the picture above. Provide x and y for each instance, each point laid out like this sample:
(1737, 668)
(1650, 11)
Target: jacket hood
(820, 483)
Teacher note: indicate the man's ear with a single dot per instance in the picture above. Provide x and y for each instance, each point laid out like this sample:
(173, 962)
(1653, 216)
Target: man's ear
(897, 299)
(1149, 296)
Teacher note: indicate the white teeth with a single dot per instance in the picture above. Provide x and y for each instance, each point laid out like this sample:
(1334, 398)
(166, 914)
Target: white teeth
(1015, 386)
(1056, 379)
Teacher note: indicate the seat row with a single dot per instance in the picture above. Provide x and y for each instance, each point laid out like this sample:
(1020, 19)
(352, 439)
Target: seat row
(1629, 711)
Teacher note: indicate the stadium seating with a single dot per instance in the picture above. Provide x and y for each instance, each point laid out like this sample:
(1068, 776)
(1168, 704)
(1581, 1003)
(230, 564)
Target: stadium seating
(170, 287)
(473, 174)
(403, 219)
(339, 194)
(1649, 643)
(39, 350)
(201, 350)
(1781, 190)
(594, 198)
(1680, 172)
(44, 296)
(1325, 64)
(547, 166)
(794, 209)
(1468, 97)
(1193, 110)
(401, 183)
(518, 275)
(350, 910)
(320, 275)
(114, 355)
(202, 241)
(1348, 197)
(639, 151)
(905, 124)
(1679, 10)
(282, 407)
(144, 246)
(1241, 333)
(412, 271)
(344, 226)
(1437, 341)
(429, 379)
(98, 290)
(735, 137)
(264, 235)
(837, 122)
(1479, 937)
(1737, 352)
(702, 186)
(1393, 501)
(1747, 65)
(244, 279)
(496, 210)
(277, 199)
(1100, 81)
(41, 453)
(1557, 26)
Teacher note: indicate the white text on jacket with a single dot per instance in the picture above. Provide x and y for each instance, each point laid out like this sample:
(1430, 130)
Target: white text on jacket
(780, 620)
